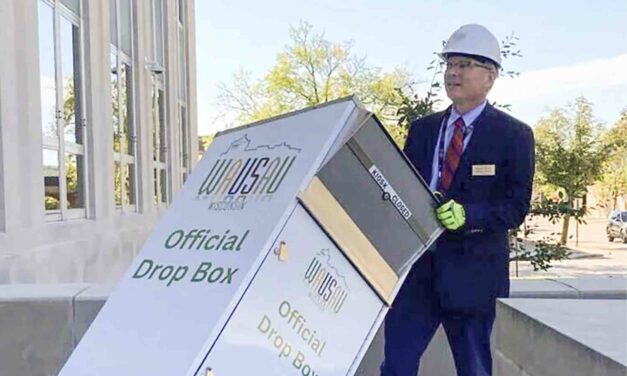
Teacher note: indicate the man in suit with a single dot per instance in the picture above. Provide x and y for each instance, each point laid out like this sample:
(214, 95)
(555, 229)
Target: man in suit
(480, 161)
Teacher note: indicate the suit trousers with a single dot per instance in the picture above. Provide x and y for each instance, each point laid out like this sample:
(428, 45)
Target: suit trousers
(411, 323)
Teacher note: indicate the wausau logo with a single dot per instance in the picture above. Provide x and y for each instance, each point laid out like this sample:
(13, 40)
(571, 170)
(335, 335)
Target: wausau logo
(243, 173)
(327, 287)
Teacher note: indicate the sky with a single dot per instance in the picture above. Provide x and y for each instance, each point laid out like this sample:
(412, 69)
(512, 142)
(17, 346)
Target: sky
(570, 48)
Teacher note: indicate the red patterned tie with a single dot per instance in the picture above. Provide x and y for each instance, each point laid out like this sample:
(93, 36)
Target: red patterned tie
(453, 155)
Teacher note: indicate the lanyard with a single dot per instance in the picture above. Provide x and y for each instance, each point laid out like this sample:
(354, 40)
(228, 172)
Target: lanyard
(442, 135)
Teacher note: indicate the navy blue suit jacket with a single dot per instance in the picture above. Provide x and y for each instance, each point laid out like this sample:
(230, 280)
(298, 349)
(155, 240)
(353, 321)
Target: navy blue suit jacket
(469, 268)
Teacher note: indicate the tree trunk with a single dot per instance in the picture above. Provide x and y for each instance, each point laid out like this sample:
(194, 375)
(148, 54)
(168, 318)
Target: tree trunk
(615, 202)
(565, 229)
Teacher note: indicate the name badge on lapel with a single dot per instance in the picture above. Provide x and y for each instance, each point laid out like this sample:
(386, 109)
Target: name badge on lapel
(483, 170)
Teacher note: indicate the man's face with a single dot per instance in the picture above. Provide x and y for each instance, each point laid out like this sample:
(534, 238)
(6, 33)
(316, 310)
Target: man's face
(467, 80)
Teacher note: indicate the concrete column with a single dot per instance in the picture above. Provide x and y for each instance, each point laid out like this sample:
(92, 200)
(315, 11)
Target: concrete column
(143, 103)
(98, 108)
(192, 103)
(171, 96)
(4, 14)
(20, 121)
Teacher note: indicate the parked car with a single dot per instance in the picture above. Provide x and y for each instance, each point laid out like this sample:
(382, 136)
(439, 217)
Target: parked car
(617, 226)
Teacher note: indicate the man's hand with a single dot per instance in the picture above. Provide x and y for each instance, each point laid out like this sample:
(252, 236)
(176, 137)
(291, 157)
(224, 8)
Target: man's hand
(451, 214)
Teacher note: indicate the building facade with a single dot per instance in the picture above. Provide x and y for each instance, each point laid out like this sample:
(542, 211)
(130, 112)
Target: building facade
(97, 131)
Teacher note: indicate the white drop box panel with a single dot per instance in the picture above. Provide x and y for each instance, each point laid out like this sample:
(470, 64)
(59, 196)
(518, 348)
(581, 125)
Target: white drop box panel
(182, 287)
(306, 312)
(208, 296)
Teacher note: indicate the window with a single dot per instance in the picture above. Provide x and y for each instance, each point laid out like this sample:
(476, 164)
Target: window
(159, 146)
(123, 119)
(159, 130)
(62, 118)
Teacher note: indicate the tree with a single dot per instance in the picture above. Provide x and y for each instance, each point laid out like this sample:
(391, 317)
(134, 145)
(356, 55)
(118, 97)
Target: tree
(569, 157)
(203, 143)
(613, 181)
(312, 70)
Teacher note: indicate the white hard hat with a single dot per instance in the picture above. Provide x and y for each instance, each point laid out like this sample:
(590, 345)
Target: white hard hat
(473, 40)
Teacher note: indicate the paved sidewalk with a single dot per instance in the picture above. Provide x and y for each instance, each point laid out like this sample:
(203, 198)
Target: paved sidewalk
(592, 254)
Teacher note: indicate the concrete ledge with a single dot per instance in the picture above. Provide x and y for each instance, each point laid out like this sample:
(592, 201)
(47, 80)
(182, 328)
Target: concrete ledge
(36, 328)
(438, 360)
(610, 287)
(562, 337)
(87, 304)
(541, 288)
(601, 287)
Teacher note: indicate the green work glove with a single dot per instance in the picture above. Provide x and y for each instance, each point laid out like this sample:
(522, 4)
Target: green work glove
(451, 214)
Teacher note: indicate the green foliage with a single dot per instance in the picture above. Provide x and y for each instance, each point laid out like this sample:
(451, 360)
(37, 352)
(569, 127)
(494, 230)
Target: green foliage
(613, 180)
(312, 70)
(71, 174)
(69, 100)
(72, 128)
(569, 155)
(203, 143)
(555, 210)
(546, 252)
(509, 49)
(569, 150)
(542, 255)
(117, 184)
(51, 203)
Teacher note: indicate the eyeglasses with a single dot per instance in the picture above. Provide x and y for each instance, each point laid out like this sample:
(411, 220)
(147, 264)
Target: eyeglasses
(465, 65)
